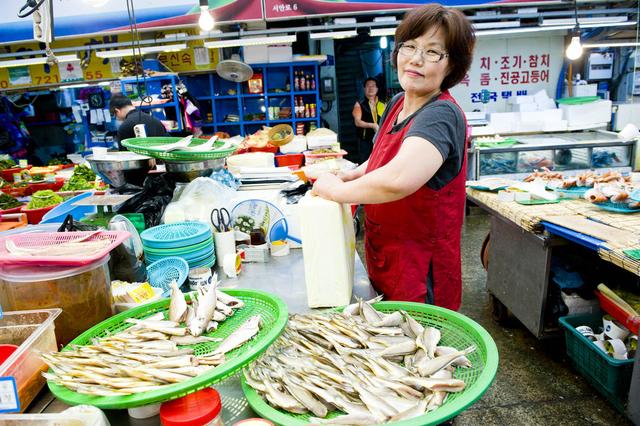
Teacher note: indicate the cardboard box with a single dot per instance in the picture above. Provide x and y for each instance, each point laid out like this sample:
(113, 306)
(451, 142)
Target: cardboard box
(280, 54)
(255, 54)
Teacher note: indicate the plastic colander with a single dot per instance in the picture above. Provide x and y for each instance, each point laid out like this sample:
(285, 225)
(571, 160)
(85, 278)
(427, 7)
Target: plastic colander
(164, 271)
(176, 235)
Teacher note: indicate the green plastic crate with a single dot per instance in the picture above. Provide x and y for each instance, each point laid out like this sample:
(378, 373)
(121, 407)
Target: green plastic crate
(611, 377)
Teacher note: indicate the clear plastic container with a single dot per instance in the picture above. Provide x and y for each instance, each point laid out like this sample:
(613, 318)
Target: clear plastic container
(33, 332)
(83, 294)
(80, 415)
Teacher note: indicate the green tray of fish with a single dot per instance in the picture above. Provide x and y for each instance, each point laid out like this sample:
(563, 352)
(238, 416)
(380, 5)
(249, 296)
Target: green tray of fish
(148, 147)
(456, 330)
(273, 313)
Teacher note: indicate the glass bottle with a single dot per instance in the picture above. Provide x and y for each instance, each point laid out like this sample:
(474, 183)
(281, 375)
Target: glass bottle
(313, 82)
(296, 81)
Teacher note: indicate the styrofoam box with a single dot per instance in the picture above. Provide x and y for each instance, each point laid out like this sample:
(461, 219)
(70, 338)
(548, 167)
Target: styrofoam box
(297, 145)
(587, 114)
(585, 90)
(315, 142)
(255, 54)
(280, 54)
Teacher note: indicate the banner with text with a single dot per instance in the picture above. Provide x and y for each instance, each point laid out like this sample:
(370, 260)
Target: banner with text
(281, 9)
(507, 67)
(74, 18)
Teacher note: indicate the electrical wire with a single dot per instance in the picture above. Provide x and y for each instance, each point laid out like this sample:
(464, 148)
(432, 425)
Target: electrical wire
(135, 43)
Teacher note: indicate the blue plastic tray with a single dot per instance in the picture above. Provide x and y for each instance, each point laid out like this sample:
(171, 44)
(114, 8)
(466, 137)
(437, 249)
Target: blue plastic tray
(635, 195)
(616, 207)
(176, 235)
(576, 190)
(60, 212)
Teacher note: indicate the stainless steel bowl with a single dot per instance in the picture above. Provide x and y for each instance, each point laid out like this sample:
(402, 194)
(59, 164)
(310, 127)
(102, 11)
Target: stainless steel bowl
(186, 171)
(119, 168)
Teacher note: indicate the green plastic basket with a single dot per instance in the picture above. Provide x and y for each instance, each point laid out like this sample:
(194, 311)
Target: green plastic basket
(611, 377)
(457, 331)
(274, 316)
(147, 146)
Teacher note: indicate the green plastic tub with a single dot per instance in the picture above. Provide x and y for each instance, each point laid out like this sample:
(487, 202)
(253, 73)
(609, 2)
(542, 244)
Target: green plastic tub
(611, 377)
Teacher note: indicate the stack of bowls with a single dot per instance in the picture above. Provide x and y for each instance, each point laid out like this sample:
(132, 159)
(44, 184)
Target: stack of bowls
(192, 241)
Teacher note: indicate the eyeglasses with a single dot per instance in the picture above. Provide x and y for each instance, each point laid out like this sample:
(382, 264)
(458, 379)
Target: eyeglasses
(408, 50)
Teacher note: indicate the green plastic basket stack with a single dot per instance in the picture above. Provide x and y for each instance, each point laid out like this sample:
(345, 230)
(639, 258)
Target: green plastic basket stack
(150, 148)
(273, 313)
(457, 331)
(611, 377)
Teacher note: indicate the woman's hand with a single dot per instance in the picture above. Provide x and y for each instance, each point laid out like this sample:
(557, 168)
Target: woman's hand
(326, 185)
(375, 127)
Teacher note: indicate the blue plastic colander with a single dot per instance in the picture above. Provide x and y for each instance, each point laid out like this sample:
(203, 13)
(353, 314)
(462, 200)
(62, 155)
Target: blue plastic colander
(175, 235)
(162, 272)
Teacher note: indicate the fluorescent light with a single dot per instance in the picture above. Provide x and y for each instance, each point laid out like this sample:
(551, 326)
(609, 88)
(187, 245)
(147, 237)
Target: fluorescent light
(381, 32)
(612, 44)
(384, 43)
(505, 24)
(572, 21)
(250, 41)
(556, 28)
(384, 19)
(143, 50)
(334, 34)
(36, 61)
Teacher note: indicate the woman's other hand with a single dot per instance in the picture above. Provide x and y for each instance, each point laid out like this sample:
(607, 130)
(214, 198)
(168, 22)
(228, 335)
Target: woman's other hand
(325, 185)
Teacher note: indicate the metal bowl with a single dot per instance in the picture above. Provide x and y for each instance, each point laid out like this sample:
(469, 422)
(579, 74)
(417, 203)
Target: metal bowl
(186, 171)
(119, 168)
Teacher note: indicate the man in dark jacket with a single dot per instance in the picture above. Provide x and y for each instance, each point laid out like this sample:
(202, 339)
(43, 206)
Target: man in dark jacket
(123, 109)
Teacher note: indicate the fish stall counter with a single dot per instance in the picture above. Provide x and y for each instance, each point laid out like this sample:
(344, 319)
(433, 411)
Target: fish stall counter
(281, 276)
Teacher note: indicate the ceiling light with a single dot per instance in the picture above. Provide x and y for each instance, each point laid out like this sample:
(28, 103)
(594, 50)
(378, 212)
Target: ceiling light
(503, 24)
(143, 50)
(250, 41)
(379, 32)
(333, 34)
(36, 61)
(205, 22)
(582, 21)
(574, 50)
(523, 30)
(611, 44)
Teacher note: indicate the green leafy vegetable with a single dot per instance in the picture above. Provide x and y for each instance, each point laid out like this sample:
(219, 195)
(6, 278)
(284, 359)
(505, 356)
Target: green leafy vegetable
(8, 202)
(7, 164)
(81, 179)
(42, 199)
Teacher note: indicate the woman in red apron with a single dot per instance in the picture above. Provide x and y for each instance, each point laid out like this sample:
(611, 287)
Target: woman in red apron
(413, 185)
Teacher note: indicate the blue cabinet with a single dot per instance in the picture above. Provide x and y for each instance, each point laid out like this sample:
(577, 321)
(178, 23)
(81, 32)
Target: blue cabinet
(231, 107)
(151, 86)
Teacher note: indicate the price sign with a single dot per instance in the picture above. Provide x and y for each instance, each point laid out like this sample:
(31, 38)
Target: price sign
(9, 401)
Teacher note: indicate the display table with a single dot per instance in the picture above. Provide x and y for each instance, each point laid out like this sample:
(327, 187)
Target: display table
(282, 276)
(521, 247)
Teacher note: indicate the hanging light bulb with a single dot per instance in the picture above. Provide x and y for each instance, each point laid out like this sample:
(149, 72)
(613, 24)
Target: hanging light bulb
(383, 43)
(206, 20)
(574, 50)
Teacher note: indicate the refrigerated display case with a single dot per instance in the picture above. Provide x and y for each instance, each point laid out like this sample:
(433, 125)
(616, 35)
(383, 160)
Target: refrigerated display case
(570, 153)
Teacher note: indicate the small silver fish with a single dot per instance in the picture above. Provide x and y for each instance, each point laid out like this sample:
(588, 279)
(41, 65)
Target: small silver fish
(191, 340)
(244, 333)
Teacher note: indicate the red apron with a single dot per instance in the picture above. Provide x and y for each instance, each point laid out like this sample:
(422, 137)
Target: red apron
(405, 239)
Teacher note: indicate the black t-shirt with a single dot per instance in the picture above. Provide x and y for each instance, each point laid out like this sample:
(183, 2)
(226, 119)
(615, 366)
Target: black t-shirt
(441, 123)
(152, 126)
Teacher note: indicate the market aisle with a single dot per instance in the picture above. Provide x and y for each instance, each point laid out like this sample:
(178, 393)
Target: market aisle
(535, 384)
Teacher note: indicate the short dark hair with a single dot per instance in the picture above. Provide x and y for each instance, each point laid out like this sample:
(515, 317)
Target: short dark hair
(364, 83)
(459, 37)
(118, 101)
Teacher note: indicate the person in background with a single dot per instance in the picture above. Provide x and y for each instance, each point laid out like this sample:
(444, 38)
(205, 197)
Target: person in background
(413, 185)
(121, 107)
(366, 114)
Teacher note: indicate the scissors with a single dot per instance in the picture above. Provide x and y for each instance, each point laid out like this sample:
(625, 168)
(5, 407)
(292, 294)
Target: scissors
(221, 219)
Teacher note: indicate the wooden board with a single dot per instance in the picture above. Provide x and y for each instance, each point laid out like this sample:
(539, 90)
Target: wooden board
(103, 200)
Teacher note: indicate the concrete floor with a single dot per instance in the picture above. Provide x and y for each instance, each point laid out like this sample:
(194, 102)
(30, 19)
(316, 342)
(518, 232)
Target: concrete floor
(535, 384)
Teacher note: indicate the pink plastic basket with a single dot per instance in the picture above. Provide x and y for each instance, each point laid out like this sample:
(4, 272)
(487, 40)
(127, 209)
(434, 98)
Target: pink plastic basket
(53, 239)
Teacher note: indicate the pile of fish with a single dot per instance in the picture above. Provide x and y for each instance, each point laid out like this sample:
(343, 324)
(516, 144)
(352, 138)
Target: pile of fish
(152, 353)
(613, 192)
(372, 366)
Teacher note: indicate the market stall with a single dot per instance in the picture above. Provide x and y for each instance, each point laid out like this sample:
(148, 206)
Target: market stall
(530, 231)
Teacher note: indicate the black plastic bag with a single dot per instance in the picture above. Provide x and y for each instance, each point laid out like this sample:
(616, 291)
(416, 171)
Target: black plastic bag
(156, 193)
(71, 225)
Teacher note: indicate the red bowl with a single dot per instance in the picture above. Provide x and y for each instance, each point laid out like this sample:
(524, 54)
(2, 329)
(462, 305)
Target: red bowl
(290, 160)
(7, 174)
(41, 186)
(6, 350)
(34, 216)
(22, 191)
(10, 211)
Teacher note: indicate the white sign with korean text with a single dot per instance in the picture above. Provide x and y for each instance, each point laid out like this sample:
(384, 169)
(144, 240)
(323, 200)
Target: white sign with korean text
(508, 66)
